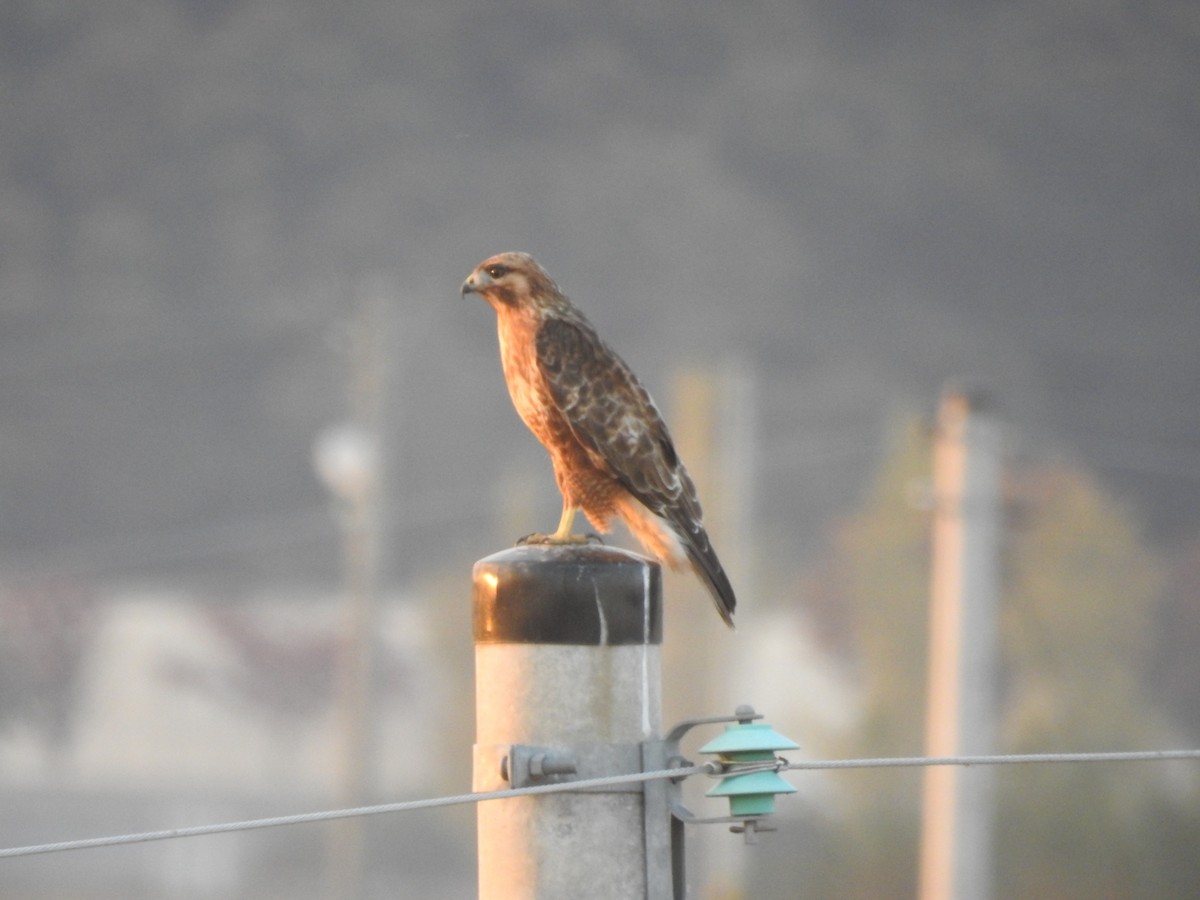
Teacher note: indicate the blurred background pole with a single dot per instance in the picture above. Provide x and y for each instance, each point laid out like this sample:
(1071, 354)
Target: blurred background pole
(567, 665)
(713, 415)
(348, 458)
(956, 840)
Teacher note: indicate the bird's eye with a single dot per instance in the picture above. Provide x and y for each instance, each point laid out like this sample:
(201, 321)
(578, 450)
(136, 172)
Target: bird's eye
(497, 271)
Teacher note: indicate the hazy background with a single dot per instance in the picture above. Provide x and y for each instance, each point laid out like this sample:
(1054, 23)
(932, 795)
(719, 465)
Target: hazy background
(837, 206)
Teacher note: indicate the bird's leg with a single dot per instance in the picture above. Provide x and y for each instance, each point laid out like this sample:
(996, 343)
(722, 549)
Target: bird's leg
(563, 534)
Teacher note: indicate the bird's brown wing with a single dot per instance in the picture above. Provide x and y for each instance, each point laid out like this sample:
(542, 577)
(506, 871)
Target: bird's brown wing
(615, 420)
(609, 412)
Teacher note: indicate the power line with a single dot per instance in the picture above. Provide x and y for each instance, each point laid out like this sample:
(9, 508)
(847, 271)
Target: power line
(1009, 759)
(711, 768)
(333, 814)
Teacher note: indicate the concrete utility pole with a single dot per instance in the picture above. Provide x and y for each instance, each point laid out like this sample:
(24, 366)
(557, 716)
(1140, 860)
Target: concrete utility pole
(568, 686)
(956, 839)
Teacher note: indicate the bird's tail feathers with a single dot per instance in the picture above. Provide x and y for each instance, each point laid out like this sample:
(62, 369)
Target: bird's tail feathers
(676, 546)
(652, 532)
(709, 569)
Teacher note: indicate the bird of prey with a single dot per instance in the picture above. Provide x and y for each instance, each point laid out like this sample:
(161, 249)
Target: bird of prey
(612, 454)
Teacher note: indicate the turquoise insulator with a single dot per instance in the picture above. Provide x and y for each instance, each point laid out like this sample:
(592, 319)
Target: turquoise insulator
(749, 737)
(750, 793)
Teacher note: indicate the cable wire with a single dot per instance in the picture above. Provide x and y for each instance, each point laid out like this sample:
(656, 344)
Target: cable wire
(1010, 759)
(328, 815)
(715, 769)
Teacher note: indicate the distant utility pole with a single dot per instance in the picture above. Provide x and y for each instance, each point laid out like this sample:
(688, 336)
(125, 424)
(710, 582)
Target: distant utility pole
(956, 839)
(714, 410)
(348, 458)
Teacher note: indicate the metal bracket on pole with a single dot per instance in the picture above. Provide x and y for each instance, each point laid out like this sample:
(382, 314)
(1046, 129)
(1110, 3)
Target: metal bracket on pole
(748, 768)
(675, 759)
(523, 765)
(750, 826)
(666, 754)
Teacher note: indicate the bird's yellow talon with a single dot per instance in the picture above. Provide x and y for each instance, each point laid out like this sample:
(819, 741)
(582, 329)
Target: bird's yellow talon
(539, 538)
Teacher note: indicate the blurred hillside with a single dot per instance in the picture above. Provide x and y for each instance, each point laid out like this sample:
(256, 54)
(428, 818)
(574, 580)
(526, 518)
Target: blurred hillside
(853, 203)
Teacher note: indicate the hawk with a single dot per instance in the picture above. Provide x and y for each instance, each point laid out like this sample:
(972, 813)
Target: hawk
(612, 454)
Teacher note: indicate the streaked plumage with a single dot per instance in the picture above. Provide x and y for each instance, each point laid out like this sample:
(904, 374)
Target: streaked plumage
(612, 453)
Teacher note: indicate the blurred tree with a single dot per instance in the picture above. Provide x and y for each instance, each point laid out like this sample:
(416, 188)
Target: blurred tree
(1077, 635)
(1078, 626)
(1176, 666)
(874, 586)
(1081, 589)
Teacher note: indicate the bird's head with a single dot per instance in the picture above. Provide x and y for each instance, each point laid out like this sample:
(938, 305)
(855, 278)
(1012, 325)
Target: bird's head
(509, 280)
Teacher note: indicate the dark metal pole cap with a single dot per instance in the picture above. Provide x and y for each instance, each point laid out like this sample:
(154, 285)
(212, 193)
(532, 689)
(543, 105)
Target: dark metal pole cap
(586, 594)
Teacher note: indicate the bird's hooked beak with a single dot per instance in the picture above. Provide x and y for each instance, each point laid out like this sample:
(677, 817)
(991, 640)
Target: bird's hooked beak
(476, 283)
